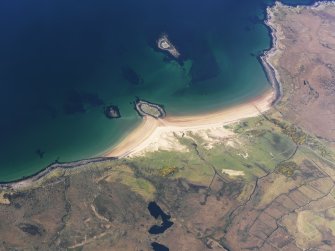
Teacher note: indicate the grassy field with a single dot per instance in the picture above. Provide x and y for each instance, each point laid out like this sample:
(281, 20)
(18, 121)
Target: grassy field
(216, 187)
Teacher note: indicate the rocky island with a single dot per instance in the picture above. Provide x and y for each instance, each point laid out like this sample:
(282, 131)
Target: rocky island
(164, 44)
(145, 108)
(112, 112)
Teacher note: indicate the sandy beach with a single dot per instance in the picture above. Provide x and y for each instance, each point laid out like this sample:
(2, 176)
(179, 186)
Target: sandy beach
(152, 132)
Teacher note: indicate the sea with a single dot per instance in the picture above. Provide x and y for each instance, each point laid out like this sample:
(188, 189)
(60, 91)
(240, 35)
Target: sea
(63, 61)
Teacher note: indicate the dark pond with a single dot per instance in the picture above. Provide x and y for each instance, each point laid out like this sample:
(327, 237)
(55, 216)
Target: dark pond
(155, 212)
(159, 247)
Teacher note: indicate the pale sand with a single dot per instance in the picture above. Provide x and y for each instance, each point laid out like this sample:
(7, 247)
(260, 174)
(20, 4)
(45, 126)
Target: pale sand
(233, 172)
(152, 133)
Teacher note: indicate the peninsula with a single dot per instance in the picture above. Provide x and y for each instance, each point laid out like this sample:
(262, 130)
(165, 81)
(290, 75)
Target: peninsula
(164, 44)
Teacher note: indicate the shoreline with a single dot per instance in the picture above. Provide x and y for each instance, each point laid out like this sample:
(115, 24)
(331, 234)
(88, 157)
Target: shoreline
(31, 179)
(140, 137)
(271, 73)
(150, 130)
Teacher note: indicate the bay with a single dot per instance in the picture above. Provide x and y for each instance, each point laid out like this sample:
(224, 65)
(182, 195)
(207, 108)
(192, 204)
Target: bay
(62, 61)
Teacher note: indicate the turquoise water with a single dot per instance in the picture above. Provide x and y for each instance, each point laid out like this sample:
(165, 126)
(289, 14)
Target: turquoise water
(62, 61)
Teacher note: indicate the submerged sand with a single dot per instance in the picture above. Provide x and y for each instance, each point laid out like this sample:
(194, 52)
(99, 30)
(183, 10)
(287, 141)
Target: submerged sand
(152, 133)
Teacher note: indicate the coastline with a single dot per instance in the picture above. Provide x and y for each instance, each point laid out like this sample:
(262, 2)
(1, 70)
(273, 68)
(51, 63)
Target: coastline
(265, 59)
(150, 129)
(30, 180)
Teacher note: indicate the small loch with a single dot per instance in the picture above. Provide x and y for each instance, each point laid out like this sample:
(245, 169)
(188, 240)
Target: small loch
(155, 212)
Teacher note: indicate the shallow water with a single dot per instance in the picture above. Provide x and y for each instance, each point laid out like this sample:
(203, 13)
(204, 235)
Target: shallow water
(61, 61)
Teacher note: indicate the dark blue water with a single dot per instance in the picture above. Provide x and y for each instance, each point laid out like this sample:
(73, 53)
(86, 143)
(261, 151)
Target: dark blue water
(156, 212)
(62, 61)
(159, 247)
